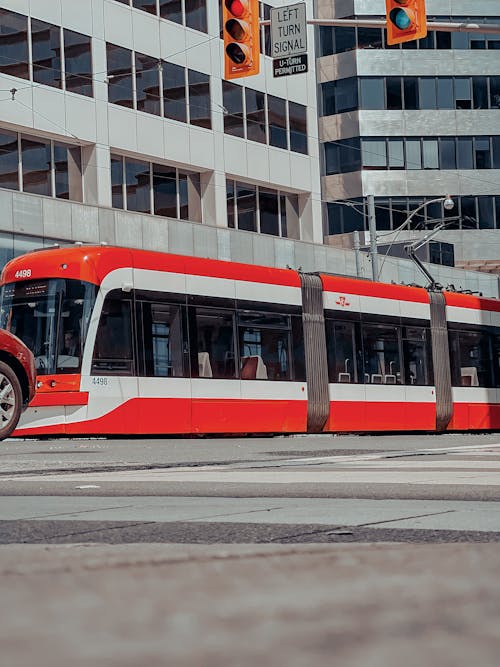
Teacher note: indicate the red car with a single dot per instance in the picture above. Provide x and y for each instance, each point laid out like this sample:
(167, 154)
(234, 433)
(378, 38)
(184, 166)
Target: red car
(17, 381)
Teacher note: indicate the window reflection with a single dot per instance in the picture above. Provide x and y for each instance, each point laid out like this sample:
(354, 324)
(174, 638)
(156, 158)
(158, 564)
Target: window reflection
(147, 84)
(233, 109)
(119, 75)
(137, 186)
(46, 53)
(196, 14)
(14, 56)
(174, 92)
(36, 159)
(199, 99)
(9, 160)
(78, 63)
(174, 193)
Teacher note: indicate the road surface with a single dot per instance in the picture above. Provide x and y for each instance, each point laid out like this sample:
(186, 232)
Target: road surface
(350, 550)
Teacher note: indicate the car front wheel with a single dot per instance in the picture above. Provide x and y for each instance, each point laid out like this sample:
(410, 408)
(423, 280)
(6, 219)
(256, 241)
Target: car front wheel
(11, 400)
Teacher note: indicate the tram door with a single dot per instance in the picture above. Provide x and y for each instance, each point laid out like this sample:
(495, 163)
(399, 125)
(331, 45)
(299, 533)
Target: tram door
(113, 386)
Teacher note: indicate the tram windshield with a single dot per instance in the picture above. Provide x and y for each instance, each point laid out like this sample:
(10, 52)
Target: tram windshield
(51, 317)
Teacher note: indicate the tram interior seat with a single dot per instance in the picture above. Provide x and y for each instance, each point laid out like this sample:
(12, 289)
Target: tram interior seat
(390, 379)
(377, 378)
(469, 376)
(204, 367)
(253, 368)
(344, 377)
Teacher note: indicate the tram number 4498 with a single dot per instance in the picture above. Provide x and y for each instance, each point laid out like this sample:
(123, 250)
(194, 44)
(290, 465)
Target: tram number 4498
(100, 381)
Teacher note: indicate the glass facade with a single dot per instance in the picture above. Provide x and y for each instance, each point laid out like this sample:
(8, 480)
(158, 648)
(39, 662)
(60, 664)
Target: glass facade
(189, 13)
(469, 212)
(158, 87)
(147, 187)
(464, 153)
(264, 118)
(253, 208)
(409, 93)
(59, 57)
(334, 40)
(40, 166)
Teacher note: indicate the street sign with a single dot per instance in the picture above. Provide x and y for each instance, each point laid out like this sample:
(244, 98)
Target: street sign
(290, 65)
(288, 31)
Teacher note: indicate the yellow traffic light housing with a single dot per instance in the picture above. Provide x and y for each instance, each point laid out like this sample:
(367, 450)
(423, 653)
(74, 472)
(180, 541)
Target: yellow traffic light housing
(240, 19)
(406, 20)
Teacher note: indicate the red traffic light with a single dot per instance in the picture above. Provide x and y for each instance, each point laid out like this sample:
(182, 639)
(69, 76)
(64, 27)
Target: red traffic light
(406, 20)
(241, 38)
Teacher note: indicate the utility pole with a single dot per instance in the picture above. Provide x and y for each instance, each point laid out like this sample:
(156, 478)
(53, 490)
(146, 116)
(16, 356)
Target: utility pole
(372, 227)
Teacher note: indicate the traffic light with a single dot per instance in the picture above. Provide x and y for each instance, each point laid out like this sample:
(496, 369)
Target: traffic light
(240, 19)
(406, 20)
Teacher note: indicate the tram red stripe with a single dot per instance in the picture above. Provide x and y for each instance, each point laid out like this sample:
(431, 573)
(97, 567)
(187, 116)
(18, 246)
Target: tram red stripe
(60, 398)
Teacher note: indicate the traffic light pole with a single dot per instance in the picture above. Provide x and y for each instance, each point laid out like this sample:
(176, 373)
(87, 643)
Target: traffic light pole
(493, 28)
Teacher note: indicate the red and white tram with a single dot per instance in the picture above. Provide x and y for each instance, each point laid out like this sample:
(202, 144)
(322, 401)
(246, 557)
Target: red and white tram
(137, 342)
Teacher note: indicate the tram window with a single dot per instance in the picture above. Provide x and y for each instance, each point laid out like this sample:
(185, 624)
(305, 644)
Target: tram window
(471, 359)
(264, 340)
(496, 358)
(160, 342)
(299, 360)
(113, 346)
(215, 344)
(416, 354)
(342, 366)
(382, 363)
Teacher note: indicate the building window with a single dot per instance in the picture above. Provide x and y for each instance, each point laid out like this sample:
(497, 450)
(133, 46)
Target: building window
(117, 182)
(120, 90)
(199, 99)
(147, 84)
(254, 208)
(276, 109)
(60, 58)
(338, 40)
(190, 13)
(148, 6)
(255, 115)
(479, 212)
(171, 10)
(268, 119)
(233, 109)
(174, 92)
(138, 189)
(412, 153)
(14, 58)
(47, 168)
(298, 127)
(155, 188)
(9, 160)
(410, 93)
(78, 62)
(151, 77)
(165, 191)
(196, 14)
(46, 53)
(67, 172)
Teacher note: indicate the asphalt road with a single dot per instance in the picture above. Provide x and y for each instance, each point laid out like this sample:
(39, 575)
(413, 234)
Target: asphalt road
(356, 550)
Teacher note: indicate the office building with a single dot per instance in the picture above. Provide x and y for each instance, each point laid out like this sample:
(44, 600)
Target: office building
(411, 123)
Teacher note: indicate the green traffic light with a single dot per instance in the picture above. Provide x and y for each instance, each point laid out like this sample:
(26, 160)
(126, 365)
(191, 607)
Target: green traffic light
(400, 19)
